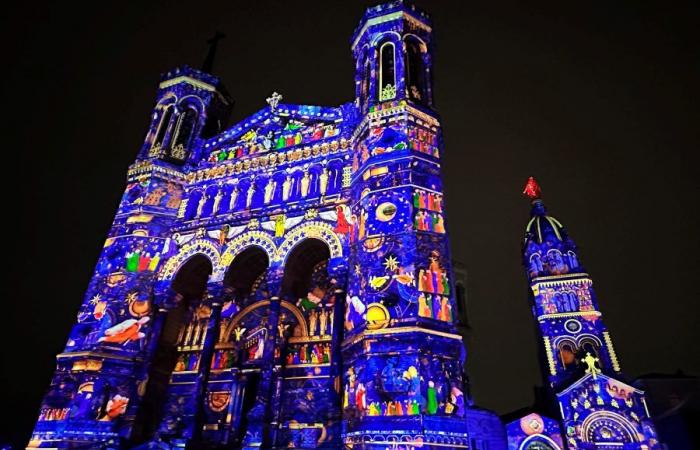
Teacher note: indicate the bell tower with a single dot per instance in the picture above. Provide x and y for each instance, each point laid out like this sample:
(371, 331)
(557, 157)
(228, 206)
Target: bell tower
(597, 408)
(403, 358)
(102, 375)
(394, 63)
(191, 106)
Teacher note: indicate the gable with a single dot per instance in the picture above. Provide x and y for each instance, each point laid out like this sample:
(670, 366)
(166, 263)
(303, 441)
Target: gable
(267, 130)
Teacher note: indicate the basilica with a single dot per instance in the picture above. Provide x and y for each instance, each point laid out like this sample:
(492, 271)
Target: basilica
(286, 282)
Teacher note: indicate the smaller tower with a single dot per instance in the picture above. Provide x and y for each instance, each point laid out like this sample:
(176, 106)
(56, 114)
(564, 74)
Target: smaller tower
(392, 48)
(582, 370)
(191, 106)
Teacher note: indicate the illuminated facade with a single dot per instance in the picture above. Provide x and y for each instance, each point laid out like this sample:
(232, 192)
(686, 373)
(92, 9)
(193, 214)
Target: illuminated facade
(597, 410)
(282, 283)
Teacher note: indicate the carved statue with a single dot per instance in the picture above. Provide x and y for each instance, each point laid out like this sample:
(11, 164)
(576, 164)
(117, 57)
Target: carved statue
(306, 179)
(251, 192)
(232, 200)
(217, 200)
(323, 181)
(269, 190)
(323, 321)
(313, 318)
(286, 188)
(200, 205)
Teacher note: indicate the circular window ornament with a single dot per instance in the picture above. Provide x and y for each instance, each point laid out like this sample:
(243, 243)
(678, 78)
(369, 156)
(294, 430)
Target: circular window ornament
(572, 326)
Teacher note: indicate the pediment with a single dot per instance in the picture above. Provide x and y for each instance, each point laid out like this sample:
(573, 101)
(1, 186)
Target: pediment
(267, 130)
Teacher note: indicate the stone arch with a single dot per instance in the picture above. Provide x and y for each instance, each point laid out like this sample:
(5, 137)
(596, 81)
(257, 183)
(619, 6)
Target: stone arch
(530, 440)
(284, 304)
(387, 35)
(241, 242)
(315, 229)
(196, 247)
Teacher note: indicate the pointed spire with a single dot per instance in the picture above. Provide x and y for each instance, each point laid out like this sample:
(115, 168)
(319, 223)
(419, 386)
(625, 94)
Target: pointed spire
(208, 64)
(532, 189)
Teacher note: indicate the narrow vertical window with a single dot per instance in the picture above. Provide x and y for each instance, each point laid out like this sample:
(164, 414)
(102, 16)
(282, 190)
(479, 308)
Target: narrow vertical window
(163, 127)
(364, 86)
(183, 133)
(415, 72)
(387, 71)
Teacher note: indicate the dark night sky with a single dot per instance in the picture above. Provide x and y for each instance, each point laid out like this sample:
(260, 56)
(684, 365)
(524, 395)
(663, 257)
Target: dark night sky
(599, 100)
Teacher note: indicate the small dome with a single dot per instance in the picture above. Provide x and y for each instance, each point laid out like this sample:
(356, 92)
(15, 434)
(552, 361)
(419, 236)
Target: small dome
(541, 227)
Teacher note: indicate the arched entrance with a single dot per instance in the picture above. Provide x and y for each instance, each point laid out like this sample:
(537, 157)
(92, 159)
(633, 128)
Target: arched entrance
(539, 442)
(305, 270)
(246, 273)
(181, 323)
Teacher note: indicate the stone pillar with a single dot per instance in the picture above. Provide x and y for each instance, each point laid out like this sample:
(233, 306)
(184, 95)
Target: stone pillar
(258, 434)
(210, 338)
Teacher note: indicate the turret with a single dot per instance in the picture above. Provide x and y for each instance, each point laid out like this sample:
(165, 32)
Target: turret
(191, 105)
(583, 375)
(392, 50)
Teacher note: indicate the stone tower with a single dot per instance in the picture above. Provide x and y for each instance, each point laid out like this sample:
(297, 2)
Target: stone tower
(597, 409)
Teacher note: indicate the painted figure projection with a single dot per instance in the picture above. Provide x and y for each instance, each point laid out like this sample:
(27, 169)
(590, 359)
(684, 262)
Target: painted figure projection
(286, 281)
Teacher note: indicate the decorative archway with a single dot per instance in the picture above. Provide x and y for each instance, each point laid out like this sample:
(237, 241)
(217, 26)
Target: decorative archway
(539, 442)
(610, 426)
(284, 304)
(316, 230)
(198, 246)
(241, 242)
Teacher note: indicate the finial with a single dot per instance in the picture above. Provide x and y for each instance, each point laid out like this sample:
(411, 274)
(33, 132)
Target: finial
(208, 64)
(273, 100)
(590, 361)
(532, 189)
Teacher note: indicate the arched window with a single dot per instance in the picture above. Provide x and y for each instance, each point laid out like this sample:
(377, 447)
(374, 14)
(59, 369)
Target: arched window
(364, 85)
(535, 264)
(567, 353)
(387, 71)
(415, 71)
(183, 133)
(163, 127)
(573, 260)
(589, 345)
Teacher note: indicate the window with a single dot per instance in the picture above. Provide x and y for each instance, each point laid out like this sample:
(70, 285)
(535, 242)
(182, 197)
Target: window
(387, 71)
(567, 353)
(183, 133)
(163, 127)
(415, 71)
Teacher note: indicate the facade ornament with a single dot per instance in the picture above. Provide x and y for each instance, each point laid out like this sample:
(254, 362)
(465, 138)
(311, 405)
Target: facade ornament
(274, 100)
(591, 361)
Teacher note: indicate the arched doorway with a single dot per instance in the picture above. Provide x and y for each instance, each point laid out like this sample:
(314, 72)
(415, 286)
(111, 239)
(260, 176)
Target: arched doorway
(306, 270)
(190, 286)
(246, 273)
(538, 443)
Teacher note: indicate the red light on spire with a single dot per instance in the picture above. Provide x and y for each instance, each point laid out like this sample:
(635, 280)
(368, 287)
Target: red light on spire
(532, 189)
